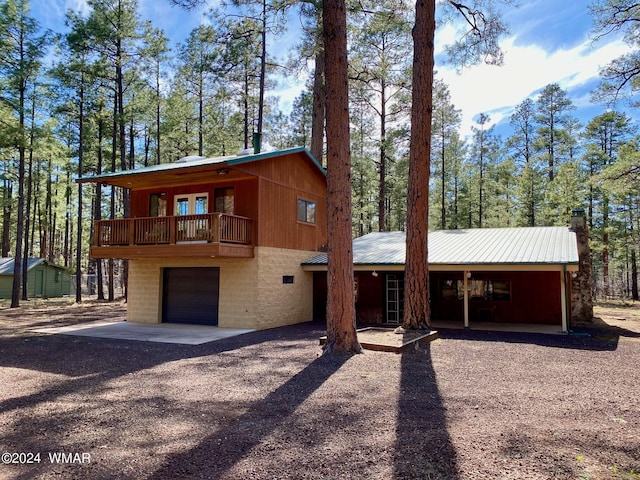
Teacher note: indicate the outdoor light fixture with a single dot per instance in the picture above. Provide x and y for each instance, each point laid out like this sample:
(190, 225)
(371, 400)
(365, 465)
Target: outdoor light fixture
(374, 274)
(222, 171)
(468, 274)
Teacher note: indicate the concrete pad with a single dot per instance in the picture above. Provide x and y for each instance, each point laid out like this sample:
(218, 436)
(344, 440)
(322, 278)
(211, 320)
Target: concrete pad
(162, 332)
(503, 327)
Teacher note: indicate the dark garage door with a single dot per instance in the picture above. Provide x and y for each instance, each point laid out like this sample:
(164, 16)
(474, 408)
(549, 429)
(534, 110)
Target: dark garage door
(190, 295)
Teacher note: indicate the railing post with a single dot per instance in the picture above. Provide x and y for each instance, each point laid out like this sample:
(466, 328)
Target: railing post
(172, 230)
(132, 237)
(217, 227)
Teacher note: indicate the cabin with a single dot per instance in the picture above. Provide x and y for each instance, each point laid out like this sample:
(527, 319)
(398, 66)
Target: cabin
(219, 241)
(44, 278)
(496, 275)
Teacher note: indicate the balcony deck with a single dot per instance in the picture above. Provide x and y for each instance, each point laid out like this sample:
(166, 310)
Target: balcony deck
(204, 235)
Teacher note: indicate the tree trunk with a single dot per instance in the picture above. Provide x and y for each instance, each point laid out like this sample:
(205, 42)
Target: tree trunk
(443, 177)
(80, 173)
(634, 275)
(382, 218)
(318, 114)
(341, 317)
(7, 192)
(27, 226)
(17, 271)
(263, 73)
(97, 215)
(416, 282)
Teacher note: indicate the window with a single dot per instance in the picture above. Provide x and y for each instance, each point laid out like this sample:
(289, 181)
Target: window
(490, 290)
(224, 200)
(287, 279)
(306, 211)
(452, 290)
(158, 205)
(191, 204)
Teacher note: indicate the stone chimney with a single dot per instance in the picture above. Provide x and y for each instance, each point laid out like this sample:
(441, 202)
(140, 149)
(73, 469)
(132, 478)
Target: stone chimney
(581, 285)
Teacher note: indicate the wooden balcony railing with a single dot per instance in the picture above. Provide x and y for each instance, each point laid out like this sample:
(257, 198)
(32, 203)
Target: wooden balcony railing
(204, 228)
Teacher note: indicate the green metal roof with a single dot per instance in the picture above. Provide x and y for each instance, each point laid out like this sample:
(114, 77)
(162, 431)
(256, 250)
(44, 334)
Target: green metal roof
(477, 246)
(6, 264)
(195, 161)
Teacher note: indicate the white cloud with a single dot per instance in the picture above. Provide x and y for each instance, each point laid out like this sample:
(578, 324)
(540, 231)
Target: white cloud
(526, 69)
(78, 6)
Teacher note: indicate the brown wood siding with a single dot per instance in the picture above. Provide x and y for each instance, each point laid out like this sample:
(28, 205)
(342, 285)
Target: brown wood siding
(535, 298)
(268, 193)
(370, 294)
(283, 181)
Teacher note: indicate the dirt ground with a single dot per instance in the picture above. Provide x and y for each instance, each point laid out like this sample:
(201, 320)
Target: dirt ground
(267, 405)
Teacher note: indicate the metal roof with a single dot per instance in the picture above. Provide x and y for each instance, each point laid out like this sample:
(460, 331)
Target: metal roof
(476, 246)
(195, 161)
(6, 264)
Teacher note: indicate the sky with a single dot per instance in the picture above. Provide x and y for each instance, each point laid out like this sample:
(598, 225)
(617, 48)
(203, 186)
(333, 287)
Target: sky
(549, 42)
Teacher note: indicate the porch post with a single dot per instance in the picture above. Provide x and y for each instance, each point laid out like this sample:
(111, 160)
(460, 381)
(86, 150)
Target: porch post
(563, 298)
(465, 275)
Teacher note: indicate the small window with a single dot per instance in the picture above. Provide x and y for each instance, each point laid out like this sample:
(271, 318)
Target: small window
(287, 279)
(306, 211)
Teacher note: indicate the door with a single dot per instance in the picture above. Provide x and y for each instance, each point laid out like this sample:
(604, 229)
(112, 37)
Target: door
(39, 286)
(191, 295)
(394, 298)
(189, 205)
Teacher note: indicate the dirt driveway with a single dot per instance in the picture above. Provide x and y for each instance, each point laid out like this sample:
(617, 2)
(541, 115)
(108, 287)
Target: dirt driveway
(266, 405)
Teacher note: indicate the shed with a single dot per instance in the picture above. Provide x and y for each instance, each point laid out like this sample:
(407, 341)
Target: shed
(509, 275)
(44, 278)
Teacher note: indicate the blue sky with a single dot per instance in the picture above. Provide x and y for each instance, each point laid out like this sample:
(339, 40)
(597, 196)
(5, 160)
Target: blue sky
(549, 43)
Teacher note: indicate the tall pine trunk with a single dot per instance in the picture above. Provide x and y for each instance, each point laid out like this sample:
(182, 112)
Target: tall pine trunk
(319, 107)
(341, 314)
(80, 173)
(416, 298)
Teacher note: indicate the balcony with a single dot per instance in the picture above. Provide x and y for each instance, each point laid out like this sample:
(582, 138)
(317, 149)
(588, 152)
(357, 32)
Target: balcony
(204, 235)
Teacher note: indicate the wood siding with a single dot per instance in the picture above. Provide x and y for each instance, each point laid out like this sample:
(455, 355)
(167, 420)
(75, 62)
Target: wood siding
(266, 191)
(535, 298)
(42, 281)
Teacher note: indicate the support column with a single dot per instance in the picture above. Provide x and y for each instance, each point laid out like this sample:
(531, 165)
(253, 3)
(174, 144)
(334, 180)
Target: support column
(466, 298)
(563, 298)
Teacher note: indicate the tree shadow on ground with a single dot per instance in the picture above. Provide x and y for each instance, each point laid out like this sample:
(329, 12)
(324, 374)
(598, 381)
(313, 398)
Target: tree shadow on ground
(601, 330)
(228, 446)
(424, 450)
(582, 340)
(83, 366)
(87, 362)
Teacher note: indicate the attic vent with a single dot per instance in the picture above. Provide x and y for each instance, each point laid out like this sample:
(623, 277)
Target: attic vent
(189, 158)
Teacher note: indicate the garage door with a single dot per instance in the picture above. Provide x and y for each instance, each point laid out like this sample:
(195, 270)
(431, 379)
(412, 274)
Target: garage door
(190, 295)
